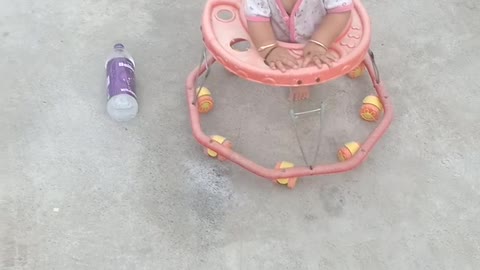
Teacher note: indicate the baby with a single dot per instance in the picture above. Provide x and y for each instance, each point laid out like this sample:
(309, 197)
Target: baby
(315, 23)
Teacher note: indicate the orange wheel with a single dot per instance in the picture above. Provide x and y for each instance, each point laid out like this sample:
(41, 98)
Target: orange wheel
(205, 104)
(205, 100)
(348, 151)
(370, 112)
(371, 109)
(357, 72)
(289, 182)
(221, 140)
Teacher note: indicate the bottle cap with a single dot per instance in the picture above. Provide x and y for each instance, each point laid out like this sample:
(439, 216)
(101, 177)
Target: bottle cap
(119, 46)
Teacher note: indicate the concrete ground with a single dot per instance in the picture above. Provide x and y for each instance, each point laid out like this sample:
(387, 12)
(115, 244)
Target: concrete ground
(79, 191)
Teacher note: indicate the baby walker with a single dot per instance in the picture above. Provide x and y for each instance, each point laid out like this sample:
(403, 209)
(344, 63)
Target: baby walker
(224, 25)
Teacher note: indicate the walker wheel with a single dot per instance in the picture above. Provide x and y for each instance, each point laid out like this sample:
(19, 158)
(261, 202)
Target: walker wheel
(357, 72)
(290, 182)
(348, 151)
(204, 100)
(371, 109)
(221, 140)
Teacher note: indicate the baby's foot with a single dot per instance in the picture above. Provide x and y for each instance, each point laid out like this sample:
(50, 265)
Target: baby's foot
(299, 93)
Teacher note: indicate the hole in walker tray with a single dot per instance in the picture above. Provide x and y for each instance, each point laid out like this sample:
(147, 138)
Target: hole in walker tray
(240, 44)
(225, 15)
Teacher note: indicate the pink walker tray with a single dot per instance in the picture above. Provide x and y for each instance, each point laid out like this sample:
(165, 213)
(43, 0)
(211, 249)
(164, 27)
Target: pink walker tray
(224, 26)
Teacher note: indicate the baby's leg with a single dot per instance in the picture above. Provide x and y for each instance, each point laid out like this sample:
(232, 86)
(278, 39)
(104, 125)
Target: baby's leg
(299, 93)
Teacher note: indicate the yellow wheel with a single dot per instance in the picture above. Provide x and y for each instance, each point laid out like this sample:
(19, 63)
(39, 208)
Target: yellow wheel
(348, 151)
(204, 100)
(221, 140)
(357, 72)
(289, 182)
(372, 109)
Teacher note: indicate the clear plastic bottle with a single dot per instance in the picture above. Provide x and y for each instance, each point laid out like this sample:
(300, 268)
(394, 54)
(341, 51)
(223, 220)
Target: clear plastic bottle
(122, 99)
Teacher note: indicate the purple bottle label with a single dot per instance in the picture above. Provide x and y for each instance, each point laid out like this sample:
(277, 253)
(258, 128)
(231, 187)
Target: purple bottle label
(121, 77)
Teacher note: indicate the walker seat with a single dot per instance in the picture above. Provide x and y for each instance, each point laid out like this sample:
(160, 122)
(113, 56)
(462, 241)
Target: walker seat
(224, 28)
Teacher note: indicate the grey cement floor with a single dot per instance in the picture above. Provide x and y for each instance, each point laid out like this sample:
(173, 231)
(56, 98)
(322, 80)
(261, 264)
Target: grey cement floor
(79, 191)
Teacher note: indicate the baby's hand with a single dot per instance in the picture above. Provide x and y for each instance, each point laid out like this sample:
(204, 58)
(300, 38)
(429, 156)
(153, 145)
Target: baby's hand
(280, 57)
(317, 54)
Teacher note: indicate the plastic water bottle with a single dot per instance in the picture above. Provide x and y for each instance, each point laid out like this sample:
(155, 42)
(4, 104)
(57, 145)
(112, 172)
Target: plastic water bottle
(122, 99)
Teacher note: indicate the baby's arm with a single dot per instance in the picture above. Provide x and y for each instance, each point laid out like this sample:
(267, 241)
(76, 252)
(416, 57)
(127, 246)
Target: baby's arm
(332, 25)
(263, 37)
(265, 41)
(261, 34)
(258, 22)
(338, 15)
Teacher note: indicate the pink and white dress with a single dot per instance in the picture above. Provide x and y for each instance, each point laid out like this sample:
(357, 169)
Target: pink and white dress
(302, 22)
